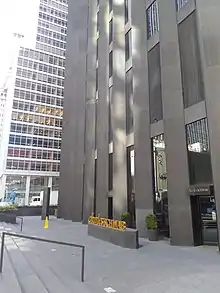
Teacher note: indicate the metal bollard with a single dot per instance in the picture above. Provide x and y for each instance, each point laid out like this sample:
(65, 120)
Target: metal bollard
(83, 264)
(2, 251)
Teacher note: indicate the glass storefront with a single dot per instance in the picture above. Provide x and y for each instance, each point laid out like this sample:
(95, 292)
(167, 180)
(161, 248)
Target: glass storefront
(209, 223)
(201, 183)
(55, 183)
(160, 183)
(15, 189)
(37, 185)
(131, 185)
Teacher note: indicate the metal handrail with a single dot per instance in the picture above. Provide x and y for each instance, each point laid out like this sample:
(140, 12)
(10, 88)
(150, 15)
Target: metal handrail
(22, 221)
(42, 240)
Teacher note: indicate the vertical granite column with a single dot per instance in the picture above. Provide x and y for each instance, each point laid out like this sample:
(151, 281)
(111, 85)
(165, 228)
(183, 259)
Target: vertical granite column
(142, 140)
(180, 218)
(102, 112)
(73, 133)
(208, 27)
(119, 112)
(88, 201)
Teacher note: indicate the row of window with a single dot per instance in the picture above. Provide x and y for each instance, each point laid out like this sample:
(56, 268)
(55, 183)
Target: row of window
(52, 27)
(51, 42)
(36, 108)
(53, 11)
(39, 87)
(33, 153)
(152, 25)
(50, 49)
(39, 56)
(55, 4)
(41, 67)
(36, 119)
(13, 164)
(51, 34)
(153, 19)
(34, 141)
(38, 97)
(35, 130)
(52, 19)
(40, 76)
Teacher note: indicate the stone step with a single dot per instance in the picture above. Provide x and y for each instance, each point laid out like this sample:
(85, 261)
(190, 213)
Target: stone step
(53, 277)
(50, 281)
(8, 279)
(64, 277)
(27, 278)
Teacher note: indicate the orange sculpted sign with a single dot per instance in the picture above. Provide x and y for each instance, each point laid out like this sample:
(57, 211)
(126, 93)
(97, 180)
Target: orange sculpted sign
(119, 225)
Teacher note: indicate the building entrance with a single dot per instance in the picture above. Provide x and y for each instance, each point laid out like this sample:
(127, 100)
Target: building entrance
(204, 219)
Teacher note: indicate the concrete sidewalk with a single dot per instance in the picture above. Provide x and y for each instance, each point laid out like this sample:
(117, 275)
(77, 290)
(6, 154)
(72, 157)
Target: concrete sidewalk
(154, 268)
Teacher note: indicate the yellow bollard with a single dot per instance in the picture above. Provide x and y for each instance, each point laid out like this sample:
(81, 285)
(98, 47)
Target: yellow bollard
(46, 223)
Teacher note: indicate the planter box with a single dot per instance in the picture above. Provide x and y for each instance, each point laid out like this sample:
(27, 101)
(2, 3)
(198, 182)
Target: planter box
(152, 235)
(8, 217)
(127, 238)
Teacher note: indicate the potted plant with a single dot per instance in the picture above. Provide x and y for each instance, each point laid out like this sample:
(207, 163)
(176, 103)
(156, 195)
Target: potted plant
(152, 226)
(125, 217)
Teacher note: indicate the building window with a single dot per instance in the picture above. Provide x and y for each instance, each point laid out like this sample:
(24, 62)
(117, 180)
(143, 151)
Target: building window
(110, 31)
(110, 172)
(159, 166)
(98, 21)
(110, 5)
(152, 20)
(110, 64)
(190, 61)
(160, 180)
(15, 188)
(200, 170)
(181, 3)
(154, 79)
(129, 101)
(131, 185)
(127, 45)
(126, 11)
(110, 133)
(55, 183)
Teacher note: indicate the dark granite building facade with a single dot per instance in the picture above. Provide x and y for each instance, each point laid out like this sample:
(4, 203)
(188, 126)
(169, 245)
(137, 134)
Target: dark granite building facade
(141, 128)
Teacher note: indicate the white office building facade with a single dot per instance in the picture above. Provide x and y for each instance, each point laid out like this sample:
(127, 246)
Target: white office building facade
(30, 150)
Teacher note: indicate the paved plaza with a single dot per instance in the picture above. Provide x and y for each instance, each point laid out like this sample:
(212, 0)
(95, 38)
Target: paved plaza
(33, 267)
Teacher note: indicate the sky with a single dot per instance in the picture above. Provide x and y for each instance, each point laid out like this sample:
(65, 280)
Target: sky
(16, 16)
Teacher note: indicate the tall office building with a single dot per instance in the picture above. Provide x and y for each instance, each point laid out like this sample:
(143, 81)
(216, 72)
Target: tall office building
(30, 150)
(141, 115)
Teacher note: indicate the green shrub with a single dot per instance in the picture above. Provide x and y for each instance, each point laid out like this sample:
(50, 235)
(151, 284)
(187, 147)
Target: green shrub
(8, 208)
(125, 217)
(151, 222)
